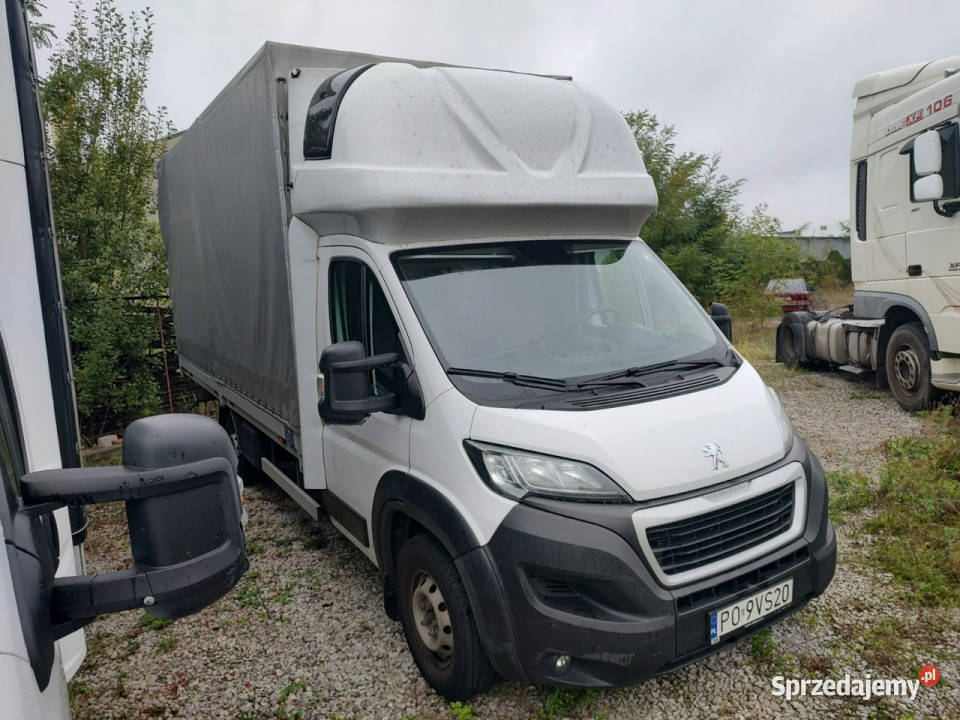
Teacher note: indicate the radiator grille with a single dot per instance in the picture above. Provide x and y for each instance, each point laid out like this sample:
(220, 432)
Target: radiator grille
(697, 541)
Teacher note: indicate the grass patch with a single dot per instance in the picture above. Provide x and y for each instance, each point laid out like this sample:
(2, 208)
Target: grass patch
(767, 656)
(885, 644)
(762, 645)
(80, 688)
(755, 341)
(560, 702)
(247, 594)
(918, 518)
(153, 623)
(292, 689)
(462, 711)
(166, 643)
(283, 595)
(866, 393)
(849, 492)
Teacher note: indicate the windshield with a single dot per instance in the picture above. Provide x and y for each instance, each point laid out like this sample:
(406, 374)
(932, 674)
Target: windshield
(554, 309)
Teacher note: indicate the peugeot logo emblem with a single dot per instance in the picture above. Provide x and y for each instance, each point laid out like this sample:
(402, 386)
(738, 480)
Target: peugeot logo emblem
(714, 452)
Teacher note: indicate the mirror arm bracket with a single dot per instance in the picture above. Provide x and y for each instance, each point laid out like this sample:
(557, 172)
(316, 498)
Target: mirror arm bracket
(947, 209)
(78, 600)
(47, 490)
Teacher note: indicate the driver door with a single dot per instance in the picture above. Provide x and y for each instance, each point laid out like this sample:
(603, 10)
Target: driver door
(353, 306)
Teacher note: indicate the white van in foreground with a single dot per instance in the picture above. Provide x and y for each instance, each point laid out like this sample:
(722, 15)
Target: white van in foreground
(418, 293)
(179, 474)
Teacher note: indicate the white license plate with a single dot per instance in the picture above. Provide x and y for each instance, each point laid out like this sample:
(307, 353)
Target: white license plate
(750, 609)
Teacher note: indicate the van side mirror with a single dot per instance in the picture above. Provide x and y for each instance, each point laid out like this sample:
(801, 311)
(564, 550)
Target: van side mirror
(927, 161)
(935, 168)
(721, 317)
(179, 483)
(345, 395)
(927, 155)
(928, 188)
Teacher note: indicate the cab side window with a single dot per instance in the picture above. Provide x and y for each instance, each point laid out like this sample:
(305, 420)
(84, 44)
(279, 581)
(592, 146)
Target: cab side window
(359, 311)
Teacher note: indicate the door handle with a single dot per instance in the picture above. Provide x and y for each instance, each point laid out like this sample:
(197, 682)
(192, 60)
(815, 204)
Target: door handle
(914, 270)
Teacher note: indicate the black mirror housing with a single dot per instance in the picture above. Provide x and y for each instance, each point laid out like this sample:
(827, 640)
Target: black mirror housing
(179, 483)
(347, 397)
(720, 314)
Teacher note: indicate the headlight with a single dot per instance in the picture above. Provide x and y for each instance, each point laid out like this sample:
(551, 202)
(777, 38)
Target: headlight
(516, 473)
(786, 427)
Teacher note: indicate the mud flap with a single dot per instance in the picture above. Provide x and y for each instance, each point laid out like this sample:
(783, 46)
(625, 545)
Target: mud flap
(791, 348)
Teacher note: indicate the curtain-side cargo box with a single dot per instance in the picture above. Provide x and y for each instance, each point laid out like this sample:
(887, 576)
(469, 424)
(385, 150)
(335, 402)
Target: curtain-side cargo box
(224, 213)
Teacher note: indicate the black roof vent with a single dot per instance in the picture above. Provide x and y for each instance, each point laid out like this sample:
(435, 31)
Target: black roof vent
(322, 113)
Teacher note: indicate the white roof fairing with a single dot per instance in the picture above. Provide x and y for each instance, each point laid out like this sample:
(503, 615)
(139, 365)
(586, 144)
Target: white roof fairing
(455, 153)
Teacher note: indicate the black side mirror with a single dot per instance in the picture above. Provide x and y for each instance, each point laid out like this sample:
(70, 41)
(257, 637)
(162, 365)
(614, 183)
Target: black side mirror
(721, 317)
(179, 483)
(345, 394)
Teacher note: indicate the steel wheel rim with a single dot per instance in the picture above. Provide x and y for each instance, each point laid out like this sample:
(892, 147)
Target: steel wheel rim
(431, 616)
(906, 366)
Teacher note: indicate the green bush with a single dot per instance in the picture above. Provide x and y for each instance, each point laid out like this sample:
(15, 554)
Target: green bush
(918, 514)
(105, 142)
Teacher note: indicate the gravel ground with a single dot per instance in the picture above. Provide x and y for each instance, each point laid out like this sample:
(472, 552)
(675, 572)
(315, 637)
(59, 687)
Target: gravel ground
(305, 632)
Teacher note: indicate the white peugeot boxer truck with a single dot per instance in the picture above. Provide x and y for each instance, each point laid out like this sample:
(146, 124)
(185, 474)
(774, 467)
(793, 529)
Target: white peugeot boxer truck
(419, 295)
(178, 478)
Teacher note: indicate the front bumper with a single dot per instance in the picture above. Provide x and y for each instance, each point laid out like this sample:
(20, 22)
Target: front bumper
(561, 578)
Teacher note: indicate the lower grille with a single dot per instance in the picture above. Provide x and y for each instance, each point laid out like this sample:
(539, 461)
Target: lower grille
(697, 541)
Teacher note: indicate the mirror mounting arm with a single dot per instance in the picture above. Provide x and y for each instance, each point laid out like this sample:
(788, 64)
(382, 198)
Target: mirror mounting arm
(367, 363)
(46, 490)
(947, 209)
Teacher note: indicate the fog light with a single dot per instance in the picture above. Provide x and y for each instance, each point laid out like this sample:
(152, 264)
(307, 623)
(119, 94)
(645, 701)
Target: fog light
(562, 664)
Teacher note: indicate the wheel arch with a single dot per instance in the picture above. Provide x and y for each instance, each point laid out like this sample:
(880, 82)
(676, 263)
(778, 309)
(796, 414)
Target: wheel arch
(897, 310)
(403, 506)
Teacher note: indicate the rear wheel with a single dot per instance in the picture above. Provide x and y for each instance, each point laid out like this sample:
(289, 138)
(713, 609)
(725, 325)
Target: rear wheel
(908, 368)
(438, 622)
(789, 352)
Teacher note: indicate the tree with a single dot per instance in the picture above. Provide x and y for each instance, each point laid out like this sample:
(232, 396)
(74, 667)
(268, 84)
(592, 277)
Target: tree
(695, 198)
(697, 204)
(41, 33)
(105, 143)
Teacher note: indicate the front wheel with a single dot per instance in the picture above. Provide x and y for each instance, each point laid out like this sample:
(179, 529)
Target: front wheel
(908, 368)
(438, 622)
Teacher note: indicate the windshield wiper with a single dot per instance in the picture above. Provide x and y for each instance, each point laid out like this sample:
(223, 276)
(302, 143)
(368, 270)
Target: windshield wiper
(512, 377)
(631, 375)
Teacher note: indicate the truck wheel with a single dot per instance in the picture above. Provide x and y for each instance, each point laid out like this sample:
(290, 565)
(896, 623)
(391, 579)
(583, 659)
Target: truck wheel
(908, 367)
(789, 351)
(438, 622)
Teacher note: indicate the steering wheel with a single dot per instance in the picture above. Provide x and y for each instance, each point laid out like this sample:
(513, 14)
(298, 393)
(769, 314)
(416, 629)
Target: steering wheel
(597, 311)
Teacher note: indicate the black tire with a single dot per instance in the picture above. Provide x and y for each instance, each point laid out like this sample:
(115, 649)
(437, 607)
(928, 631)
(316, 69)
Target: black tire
(908, 368)
(464, 670)
(789, 349)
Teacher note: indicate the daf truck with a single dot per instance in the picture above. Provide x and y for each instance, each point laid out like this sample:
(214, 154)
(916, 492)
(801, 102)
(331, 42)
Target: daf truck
(419, 295)
(904, 325)
(178, 477)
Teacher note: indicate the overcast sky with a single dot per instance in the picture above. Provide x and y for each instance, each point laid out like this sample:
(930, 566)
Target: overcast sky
(766, 84)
